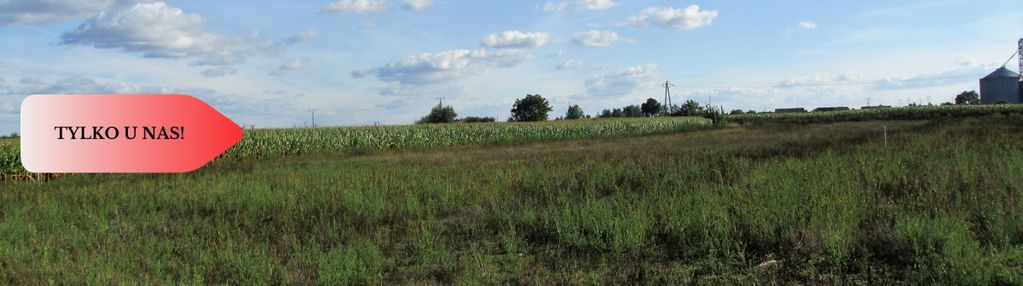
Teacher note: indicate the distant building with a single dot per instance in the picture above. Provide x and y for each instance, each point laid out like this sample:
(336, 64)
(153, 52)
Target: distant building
(838, 108)
(1002, 85)
(790, 110)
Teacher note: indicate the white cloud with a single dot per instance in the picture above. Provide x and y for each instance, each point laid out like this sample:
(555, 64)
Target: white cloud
(157, 30)
(667, 17)
(571, 65)
(442, 67)
(801, 26)
(962, 72)
(41, 12)
(623, 82)
(356, 6)
(563, 5)
(417, 4)
(291, 65)
(820, 80)
(515, 40)
(595, 39)
(219, 71)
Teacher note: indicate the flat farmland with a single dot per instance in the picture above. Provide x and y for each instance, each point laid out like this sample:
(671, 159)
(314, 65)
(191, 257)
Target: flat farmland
(929, 201)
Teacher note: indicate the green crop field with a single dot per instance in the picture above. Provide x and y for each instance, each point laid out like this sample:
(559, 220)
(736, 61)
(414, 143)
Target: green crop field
(937, 199)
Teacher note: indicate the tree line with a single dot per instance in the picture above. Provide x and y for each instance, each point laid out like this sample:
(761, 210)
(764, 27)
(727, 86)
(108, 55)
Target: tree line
(534, 107)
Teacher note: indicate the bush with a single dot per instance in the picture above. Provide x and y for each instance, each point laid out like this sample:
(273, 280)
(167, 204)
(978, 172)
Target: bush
(439, 114)
(474, 119)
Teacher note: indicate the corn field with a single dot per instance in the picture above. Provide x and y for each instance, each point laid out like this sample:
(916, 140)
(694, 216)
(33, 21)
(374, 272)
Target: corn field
(270, 143)
(286, 142)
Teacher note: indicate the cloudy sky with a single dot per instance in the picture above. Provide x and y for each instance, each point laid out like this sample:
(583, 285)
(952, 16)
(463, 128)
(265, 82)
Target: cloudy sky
(265, 63)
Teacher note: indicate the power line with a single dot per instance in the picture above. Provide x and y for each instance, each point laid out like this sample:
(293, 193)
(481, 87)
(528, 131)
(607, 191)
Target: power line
(313, 113)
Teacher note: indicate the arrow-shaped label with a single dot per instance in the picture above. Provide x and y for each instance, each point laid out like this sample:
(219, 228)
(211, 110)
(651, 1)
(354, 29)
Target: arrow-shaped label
(121, 133)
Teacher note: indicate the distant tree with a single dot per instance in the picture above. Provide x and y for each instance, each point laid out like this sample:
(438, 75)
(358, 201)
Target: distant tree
(651, 107)
(751, 112)
(574, 112)
(736, 111)
(633, 111)
(474, 119)
(617, 112)
(690, 108)
(946, 103)
(606, 113)
(531, 108)
(439, 114)
(968, 97)
(714, 114)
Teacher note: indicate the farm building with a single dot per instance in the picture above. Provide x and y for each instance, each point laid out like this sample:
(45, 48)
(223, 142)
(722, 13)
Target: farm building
(824, 109)
(1001, 86)
(790, 110)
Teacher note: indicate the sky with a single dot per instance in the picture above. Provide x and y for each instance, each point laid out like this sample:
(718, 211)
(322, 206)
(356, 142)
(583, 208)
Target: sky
(361, 62)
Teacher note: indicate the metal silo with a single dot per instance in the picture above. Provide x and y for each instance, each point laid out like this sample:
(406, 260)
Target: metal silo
(1002, 85)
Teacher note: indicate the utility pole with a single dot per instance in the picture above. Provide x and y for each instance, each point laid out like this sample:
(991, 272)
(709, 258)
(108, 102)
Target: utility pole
(313, 113)
(667, 97)
(440, 101)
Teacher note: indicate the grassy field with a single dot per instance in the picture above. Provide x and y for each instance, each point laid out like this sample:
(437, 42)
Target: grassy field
(938, 202)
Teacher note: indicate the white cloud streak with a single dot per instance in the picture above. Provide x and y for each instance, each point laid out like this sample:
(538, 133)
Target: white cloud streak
(356, 6)
(564, 5)
(515, 40)
(571, 65)
(294, 64)
(42, 12)
(687, 18)
(416, 4)
(442, 67)
(158, 30)
(595, 39)
(623, 82)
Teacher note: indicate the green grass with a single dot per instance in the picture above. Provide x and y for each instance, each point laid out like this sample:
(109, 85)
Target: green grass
(939, 202)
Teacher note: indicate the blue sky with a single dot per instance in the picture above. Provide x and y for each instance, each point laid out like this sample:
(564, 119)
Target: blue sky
(359, 62)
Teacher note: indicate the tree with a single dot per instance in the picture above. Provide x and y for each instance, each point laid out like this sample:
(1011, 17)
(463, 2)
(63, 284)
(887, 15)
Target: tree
(714, 114)
(633, 111)
(439, 114)
(531, 108)
(475, 119)
(968, 97)
(605, 114)
(690, 108)
(736, 111)
(651, 107)
(617, 112)
(574, 112)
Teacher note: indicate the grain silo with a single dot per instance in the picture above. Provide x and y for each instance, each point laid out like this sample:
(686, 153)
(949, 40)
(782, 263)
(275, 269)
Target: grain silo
(1001, 86)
